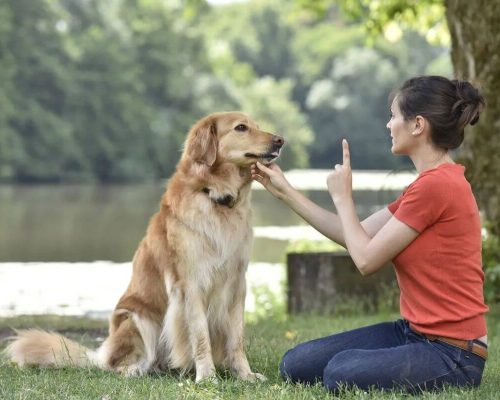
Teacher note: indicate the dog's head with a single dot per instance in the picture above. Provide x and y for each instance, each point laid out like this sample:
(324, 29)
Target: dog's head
(230, 137)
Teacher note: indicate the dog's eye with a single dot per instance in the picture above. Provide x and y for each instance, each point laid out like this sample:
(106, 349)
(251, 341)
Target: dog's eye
(241, 128)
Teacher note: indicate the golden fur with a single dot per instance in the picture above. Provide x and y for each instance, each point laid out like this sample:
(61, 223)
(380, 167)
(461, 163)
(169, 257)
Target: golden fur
(184, 305)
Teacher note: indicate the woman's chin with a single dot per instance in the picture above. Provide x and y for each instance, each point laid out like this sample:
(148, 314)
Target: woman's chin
(396, 151)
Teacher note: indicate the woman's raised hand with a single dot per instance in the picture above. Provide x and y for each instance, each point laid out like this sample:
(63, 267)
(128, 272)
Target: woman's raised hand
(339, 181)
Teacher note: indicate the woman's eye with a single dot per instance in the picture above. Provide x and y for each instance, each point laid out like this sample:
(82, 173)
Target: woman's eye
(241, 128)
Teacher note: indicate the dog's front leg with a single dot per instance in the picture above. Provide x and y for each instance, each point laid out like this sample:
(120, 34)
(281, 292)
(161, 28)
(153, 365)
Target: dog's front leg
(199, 336)
(235, 346)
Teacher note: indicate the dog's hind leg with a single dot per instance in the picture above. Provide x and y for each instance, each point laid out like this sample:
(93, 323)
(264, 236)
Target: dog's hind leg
(131, 346)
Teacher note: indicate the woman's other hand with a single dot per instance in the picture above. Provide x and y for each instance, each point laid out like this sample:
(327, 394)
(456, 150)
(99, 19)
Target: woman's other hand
(339, 181)
(272, 178)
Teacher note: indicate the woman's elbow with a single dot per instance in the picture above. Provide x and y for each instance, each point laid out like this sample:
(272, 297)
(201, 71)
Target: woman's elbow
(366, 268)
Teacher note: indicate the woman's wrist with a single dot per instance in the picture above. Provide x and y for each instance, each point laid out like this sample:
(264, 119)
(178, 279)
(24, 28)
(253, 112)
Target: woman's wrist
(342, 200)
(345, 207)
(288, 194)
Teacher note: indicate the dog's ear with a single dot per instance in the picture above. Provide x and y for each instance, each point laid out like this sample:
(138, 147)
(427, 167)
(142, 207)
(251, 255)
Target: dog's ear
(202, 142)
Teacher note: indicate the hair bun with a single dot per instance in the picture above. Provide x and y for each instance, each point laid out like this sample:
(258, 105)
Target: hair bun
(469, 104)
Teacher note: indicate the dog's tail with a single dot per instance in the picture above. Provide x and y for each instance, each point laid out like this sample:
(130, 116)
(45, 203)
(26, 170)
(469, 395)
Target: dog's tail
(35, 347)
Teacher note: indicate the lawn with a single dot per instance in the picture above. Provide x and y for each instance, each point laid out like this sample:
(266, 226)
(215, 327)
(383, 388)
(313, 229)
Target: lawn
(267, 340)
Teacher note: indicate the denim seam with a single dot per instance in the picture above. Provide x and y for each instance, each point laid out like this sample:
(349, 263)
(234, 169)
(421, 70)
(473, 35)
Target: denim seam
(437, 377)
(440, 376)
(450, 371)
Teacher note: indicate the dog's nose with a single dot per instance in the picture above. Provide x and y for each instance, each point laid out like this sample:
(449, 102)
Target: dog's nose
(278, 140)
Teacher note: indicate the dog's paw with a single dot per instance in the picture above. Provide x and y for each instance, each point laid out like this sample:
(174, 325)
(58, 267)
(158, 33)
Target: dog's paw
(210, 380)
(206, 375)
(132, 371)
(253, 377)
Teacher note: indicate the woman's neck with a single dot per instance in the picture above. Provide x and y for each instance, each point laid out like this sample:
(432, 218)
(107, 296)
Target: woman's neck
(430, 160)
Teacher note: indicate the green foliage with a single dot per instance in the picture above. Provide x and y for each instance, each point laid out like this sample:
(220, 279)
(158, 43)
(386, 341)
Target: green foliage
(491, 266)
(358, 84)
(257, 67)
(313, 246)
(335, 102)
(268, 305)
(267, 98)
(106, 91)
(338, 83)
(317, 54)
(390, 17)
(32, 94)
(82, 110)
(134, 86)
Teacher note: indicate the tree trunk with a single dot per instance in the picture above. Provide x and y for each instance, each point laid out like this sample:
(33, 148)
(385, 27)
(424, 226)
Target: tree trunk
(475, 54)
(327, 283)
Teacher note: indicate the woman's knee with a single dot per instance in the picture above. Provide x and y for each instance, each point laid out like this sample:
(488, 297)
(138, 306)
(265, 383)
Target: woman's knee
(306, 362)
(288, 365)
(341, 371)
(291, 365)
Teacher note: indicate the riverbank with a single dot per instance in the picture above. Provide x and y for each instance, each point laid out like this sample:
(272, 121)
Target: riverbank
(92, 289)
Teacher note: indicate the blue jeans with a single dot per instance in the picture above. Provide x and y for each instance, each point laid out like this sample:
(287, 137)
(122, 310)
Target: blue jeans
(385, 356)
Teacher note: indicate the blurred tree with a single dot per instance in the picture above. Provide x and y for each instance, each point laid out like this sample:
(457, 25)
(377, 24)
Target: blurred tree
(175, 71)
(357, 85)
(315, 47)
(106, 106)
(97, 90)
(475, 54)
(334, 86)
(475, 44)
(137, 66)
(352, 101)
(37, 143)
(257, 78)
(11, 147)
(268, 101)
(116, 85)
(268, 57)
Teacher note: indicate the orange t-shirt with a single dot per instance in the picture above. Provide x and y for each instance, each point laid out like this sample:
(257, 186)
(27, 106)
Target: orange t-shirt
(440, 273)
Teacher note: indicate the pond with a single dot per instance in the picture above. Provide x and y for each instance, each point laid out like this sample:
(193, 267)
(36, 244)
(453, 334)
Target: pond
(66, 249)
(87, 223)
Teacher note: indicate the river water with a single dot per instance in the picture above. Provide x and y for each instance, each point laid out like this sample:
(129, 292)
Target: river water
(67, 249)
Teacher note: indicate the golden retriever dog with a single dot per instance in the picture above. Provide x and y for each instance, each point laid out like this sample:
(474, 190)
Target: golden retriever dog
(184, 305)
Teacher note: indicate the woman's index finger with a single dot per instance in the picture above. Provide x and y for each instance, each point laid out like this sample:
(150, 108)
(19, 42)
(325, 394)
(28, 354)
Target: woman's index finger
(346, 155)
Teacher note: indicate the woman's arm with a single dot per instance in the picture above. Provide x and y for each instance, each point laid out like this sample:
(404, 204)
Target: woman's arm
(369, 253)
(324, 221)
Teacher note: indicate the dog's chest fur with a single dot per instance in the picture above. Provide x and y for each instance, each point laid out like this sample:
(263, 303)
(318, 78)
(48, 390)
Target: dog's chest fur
(211, 237)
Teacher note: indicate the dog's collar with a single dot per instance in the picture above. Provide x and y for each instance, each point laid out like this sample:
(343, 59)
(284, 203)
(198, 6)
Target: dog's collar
(227, 200)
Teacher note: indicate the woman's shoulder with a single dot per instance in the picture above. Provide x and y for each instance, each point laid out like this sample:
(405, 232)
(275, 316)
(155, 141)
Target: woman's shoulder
(441, 181)
(442, 175)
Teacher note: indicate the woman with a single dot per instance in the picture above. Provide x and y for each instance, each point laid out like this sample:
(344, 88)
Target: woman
(432, 234)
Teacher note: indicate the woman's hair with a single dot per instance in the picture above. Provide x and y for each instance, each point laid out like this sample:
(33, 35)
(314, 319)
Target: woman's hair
(448, 105)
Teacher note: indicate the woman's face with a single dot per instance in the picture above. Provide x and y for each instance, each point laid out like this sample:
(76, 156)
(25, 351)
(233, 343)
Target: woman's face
(402, 139)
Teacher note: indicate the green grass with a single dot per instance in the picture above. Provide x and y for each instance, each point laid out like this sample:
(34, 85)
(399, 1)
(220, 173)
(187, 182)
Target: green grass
(267, 340)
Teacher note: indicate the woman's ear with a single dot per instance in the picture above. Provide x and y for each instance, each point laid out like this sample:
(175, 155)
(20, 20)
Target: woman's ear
(420, 125)
(202, 142)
